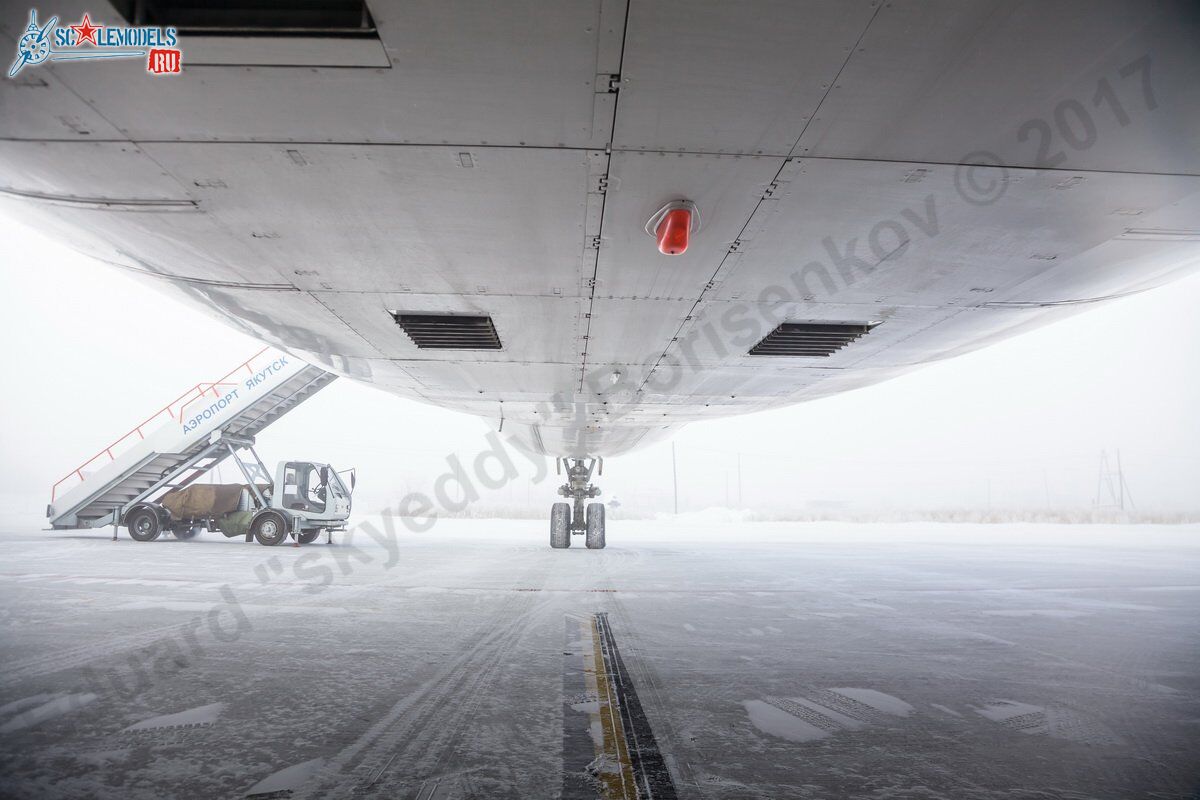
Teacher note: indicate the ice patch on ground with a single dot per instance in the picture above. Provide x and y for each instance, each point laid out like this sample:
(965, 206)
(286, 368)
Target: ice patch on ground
(25, 702)
(775, 722)
(946, 709)
(587, 706)
(1035, 720)
(1165, 589)
(800, 704)
(99, 758)
(166, 605)
(1054, 613)
(604, 764)
(1001, 710)
(1112, 604)
(878, 701)
(201, 715)
(287, 780)
(876, 606)
(63, 704)
(596, 731)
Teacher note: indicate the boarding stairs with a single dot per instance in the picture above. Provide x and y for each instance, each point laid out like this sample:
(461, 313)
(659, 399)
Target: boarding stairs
(184, 440)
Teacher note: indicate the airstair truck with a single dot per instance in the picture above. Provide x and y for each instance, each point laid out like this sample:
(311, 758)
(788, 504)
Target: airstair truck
(147, 480)
(304, 499)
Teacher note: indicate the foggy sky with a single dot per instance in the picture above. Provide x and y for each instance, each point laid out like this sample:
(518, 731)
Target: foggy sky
(92, 351)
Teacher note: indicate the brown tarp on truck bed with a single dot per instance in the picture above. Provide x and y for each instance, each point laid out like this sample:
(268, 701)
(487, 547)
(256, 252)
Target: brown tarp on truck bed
(203, 500)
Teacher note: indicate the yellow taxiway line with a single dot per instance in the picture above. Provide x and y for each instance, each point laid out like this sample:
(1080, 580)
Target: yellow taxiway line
(615, 770)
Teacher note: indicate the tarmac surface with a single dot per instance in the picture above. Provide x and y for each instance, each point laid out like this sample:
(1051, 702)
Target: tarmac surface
(690, 659)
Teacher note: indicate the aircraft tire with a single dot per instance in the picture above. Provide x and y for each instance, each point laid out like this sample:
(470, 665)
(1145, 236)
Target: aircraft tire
(560, 526)
(595, 526)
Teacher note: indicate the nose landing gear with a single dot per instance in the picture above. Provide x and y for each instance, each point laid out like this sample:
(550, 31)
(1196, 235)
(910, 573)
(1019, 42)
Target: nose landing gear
(567, 519)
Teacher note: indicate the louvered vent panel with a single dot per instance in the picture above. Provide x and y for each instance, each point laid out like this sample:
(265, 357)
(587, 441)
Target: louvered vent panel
(449, 331)
(253, 17)
(813, 339)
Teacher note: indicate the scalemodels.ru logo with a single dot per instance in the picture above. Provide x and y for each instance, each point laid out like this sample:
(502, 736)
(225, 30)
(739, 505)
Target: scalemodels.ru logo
(86, 40)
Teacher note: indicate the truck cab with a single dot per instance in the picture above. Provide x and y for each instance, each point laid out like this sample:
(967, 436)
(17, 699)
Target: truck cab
(314, 492)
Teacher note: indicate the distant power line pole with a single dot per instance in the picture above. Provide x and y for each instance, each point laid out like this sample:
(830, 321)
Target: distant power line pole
(674, 477)
(1120, 483)
(1111, 485)
(740, 504)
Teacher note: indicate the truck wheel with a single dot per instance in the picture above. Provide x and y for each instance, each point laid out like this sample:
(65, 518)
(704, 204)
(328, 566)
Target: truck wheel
(144, 525)
(560, 525)
(308, 537)
(269, 528)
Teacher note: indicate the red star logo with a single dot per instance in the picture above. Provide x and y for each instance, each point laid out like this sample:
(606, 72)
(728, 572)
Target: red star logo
(85, 31)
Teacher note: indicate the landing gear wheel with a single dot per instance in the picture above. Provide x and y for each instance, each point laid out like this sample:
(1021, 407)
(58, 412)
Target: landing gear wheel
(595, 526)
(579, 488)
(269, 528)
(308, 537)
(560, 525)
(186, 533)
(144, 525)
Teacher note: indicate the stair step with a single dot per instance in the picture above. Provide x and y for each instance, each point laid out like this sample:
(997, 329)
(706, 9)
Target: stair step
(252, 420)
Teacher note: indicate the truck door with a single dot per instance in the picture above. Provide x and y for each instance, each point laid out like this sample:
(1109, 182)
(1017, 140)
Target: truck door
(303, 489)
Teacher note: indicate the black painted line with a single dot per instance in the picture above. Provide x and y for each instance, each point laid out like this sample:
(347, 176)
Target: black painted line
(649, 767)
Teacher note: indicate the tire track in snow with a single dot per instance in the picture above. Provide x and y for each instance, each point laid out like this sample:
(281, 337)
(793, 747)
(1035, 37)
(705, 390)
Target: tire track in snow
(51, 663)
(413, 740)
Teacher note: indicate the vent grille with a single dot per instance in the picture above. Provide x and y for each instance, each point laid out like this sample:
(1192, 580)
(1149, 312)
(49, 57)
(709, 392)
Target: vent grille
(449, 331)
(253, 17)
(811, 339)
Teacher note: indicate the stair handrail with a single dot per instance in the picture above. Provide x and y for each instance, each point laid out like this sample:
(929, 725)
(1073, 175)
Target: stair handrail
(183, 401)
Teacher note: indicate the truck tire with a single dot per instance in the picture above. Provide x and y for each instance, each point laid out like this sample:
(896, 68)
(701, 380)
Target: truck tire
(308, 537)
(144, 524)
(270, 528)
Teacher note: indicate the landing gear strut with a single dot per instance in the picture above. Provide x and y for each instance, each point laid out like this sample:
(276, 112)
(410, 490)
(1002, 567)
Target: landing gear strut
(567, 519)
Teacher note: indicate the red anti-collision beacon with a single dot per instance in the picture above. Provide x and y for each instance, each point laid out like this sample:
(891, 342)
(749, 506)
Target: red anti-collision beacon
(673, 232)
(672, 226)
